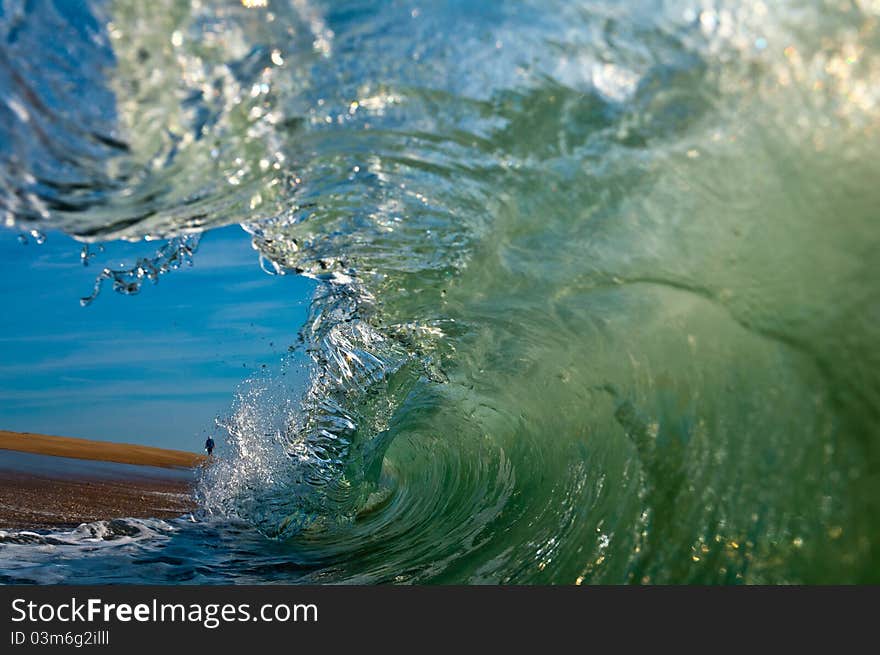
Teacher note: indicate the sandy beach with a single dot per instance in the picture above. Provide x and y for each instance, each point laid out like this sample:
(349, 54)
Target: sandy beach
(48, 481)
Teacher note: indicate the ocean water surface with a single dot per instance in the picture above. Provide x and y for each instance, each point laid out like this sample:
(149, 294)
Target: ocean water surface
(153, 370)
(595, 287)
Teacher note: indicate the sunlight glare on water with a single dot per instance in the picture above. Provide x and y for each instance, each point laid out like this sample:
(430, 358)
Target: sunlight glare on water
(597, 293)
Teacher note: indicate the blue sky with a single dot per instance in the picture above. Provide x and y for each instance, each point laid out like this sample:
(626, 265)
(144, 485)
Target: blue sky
(154, 368)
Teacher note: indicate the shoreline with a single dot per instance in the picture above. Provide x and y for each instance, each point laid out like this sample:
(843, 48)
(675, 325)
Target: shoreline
(105, 451)
(61, 482)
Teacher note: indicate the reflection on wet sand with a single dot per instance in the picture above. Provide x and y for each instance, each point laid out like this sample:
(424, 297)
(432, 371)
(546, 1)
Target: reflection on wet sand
(40, 488)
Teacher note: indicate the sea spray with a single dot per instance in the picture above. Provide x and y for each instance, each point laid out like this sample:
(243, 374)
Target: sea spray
(597, 294)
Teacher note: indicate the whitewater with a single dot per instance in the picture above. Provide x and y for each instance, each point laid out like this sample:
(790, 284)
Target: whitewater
(598, 291)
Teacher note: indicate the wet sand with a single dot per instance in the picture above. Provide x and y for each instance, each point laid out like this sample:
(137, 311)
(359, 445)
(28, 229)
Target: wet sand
(105, 451)
(50, 481)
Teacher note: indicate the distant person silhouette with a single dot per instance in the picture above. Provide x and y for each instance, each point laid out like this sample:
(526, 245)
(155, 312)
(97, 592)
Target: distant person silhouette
(209, 446)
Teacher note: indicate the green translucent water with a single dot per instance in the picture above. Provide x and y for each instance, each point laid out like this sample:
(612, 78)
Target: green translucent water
(600, 296)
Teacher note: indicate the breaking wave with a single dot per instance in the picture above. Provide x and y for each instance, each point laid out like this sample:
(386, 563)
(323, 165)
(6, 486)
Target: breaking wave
(597, 295)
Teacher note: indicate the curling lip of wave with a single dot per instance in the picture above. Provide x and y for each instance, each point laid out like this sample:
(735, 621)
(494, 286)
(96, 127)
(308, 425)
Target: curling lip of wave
(552, 241)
